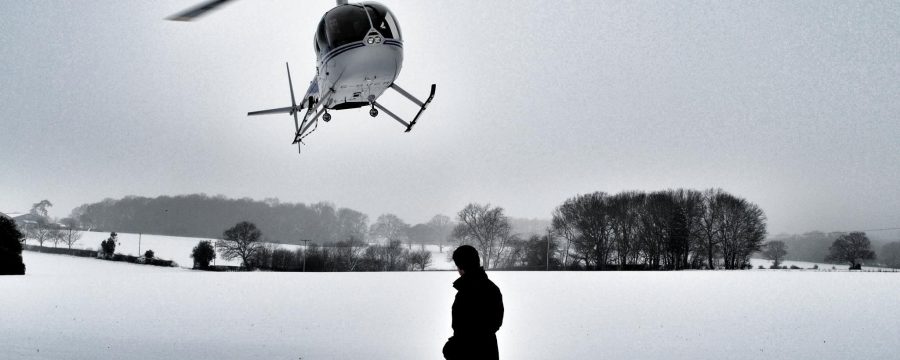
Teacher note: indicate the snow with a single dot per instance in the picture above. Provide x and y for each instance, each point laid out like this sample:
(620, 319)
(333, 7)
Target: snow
(179, 248)
(805, 265)
(82, 308)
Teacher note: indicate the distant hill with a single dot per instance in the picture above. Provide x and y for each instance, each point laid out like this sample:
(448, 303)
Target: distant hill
(200, 215)
(813, 246)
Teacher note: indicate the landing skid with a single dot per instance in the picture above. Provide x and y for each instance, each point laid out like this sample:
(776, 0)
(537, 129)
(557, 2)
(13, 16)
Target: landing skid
(422, 106)
(319, 109)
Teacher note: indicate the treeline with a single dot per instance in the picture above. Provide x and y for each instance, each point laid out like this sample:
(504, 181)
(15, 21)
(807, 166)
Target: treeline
(672, 229)
(243, 242)
(818, 246)
(813, 246)
(199, 215)
(343, 256)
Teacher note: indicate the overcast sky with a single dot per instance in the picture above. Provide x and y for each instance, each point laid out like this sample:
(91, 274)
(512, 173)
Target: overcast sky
(792, 105)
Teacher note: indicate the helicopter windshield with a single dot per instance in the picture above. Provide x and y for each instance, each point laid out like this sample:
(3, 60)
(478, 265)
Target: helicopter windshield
(342, 25)
(350, 23)
(383, 20)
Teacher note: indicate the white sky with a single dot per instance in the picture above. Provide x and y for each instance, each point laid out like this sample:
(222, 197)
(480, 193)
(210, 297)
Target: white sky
(792, 105)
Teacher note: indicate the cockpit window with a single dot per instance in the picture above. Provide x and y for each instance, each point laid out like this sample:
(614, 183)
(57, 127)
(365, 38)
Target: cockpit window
(321, 38)
(383, 20)
(346, 24)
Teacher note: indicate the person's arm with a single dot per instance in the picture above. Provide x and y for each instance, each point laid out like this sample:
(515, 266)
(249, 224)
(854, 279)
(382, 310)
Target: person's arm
(497, 310)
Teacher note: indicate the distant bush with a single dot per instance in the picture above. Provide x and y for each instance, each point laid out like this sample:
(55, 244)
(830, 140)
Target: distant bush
(108, 246)
(147, 261)
(762, 267)
(856, 267)
(160, 262)
(773, 267)
(795, 267)
(64, 251)
(126, 258)
(223, 268)
(203, 254)
(815, 267)
(148, 254)
(262, 258)
(285, 260)
(419, 260)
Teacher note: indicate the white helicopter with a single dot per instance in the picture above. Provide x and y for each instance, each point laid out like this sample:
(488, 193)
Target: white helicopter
(360, 53)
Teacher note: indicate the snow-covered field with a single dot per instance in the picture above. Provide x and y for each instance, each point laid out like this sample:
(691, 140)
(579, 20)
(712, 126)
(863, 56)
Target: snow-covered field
(179, 248)
(80, 308)
(805, 265)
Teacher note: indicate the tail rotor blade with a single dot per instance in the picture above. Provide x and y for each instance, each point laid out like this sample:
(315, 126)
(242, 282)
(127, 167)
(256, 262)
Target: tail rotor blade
(294, 109)
(291, 84)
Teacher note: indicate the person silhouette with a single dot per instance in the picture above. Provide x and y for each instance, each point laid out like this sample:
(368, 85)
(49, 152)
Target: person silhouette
(477, 310)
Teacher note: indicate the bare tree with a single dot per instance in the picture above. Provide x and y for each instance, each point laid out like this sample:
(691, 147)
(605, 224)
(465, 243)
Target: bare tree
(327, 224)
(389, 228)
(625, 225)
(709, 225)
(563, 224)
(851, 248)
(41, 232)
(742, 230)
(442, 228)
(485, 228)
(393, 256)
(284, 260)
(70, 235)
(349, 254)
(352, 224)
(775, 250)
(241, 240)
(585, 223)
(420, 259)
(56, 236)
(40, 208)
(691, 208)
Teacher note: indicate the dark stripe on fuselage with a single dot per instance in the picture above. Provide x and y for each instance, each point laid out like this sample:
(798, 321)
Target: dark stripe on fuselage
(356, 45)
(341, 50)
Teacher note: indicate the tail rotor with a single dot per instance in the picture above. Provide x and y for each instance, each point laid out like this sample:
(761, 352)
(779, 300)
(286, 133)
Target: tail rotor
(294, 108)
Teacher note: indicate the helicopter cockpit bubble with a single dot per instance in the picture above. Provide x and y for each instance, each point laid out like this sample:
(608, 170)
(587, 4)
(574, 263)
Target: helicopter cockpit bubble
(350, 23)
(343, 25)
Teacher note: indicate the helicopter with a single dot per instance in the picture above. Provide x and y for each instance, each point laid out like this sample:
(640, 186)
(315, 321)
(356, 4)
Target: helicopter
(359, 49)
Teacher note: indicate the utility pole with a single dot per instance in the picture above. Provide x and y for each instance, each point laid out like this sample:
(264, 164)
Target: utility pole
(548, 249)
(305, 250)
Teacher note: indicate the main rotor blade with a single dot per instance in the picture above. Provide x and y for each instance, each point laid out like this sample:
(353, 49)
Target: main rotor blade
(197, 11)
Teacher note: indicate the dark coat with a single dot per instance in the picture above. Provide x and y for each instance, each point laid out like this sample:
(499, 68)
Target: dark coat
(477, 315)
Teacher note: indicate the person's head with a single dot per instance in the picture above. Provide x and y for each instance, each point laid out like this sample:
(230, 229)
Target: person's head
(466, 258)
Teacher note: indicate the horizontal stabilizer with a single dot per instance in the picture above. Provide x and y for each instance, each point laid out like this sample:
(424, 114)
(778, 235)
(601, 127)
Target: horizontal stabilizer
(284, 110)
